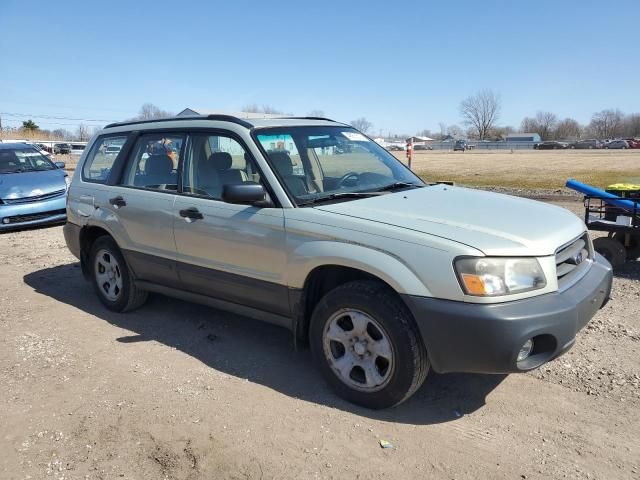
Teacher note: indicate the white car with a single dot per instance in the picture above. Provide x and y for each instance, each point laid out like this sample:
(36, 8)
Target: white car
(308, 224)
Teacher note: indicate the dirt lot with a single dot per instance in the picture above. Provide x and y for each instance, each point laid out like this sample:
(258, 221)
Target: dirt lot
(547, 169)
(181, 391)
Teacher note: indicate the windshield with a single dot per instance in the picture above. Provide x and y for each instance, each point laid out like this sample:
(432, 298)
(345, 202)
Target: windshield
(23, 160)
(316, 163)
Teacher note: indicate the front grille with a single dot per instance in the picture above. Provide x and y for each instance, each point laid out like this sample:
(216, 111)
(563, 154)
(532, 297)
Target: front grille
(32, 217)
(37, 198)
(572, 261)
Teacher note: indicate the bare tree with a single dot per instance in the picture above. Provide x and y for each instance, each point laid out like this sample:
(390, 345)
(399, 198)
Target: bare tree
(362, 124)
(543, 124)
(455, 131)
(316, 113)
(607, 123)
(546, 124)
(424, 133)
(62, 134)
(443, 130)
(568, 129)
(82, 133)
(498, 133)
(148, 111)
(254, 108)
(481, 112)
(631, 125)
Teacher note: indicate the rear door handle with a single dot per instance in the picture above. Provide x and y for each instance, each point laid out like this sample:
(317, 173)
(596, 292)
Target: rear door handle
(117, 202)
(191, 213)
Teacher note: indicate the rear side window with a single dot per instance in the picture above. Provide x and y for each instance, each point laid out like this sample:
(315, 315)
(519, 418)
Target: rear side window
(154, 162)
(100, 160)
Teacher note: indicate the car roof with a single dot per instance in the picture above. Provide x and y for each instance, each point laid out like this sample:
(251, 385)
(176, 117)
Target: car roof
(15, 145)
(202, 120)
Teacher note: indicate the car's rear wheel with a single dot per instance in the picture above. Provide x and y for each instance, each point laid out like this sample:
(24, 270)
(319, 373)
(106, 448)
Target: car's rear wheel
(112, 279)
(365, 341)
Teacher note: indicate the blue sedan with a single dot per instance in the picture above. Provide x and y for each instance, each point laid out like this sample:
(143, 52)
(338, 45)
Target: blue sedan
(32, 188)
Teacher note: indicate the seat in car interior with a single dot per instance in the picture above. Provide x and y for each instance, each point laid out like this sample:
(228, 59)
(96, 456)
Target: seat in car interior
(282, 163)
(222, 162)
(208, 179)
(158, 170)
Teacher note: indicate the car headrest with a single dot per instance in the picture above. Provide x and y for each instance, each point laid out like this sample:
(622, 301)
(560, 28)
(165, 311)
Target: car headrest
(282, 163)
(221, 161)
(158, 165)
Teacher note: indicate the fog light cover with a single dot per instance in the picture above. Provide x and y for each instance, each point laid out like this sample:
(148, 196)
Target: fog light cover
(6, 220)
(525, 350)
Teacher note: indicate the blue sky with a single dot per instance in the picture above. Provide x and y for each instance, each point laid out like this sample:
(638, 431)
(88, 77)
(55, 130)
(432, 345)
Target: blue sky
(404, 65)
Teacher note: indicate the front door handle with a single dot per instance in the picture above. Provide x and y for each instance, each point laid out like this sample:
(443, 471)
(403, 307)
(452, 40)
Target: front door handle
(117, 202)
(191, 213)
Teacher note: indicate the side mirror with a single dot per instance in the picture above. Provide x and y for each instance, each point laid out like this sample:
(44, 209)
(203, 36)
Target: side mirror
(60, 164)
(245, 194)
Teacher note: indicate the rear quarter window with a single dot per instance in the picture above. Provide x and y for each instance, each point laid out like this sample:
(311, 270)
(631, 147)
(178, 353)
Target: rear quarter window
(101, 158)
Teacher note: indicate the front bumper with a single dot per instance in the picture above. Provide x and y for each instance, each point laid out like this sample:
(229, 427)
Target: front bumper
(35, 213)
(486, 338)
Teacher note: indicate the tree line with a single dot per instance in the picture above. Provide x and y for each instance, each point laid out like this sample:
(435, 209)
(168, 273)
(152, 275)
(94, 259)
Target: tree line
(479, 113)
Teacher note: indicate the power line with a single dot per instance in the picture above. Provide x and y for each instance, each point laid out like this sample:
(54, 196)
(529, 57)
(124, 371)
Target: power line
(53, 117)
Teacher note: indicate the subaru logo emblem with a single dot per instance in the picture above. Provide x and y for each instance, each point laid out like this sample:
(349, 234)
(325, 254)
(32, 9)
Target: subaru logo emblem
(578, 258)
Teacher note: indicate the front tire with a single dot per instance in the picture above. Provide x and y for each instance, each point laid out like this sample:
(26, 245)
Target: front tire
(112, 278)
(367, 346)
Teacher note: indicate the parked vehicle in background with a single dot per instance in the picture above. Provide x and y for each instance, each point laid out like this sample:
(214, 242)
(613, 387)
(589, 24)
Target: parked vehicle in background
(62, 148)
(460, 146)
(32, 187)
(422, 146)
(633, 142)
(551, 145)
(617, 145)
(395, 147)
(113, 149)
(590, 144)
(264, 217)
(43, 149)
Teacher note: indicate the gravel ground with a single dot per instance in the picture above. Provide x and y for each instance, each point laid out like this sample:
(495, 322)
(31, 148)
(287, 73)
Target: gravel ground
(181, 391)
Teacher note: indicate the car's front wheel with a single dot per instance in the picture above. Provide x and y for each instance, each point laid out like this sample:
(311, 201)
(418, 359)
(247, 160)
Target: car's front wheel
(112, 279)
(366, 343)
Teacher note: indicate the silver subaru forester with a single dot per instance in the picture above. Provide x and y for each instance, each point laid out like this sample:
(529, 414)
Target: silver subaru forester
(308, 224)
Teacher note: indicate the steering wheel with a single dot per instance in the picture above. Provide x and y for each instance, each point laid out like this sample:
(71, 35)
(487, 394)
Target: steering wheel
(346, 176)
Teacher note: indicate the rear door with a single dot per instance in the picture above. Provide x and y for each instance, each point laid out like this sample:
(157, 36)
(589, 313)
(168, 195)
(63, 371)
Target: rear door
(142, 202)
(229, 252)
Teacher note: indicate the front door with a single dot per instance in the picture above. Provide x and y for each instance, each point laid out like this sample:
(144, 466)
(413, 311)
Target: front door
(230, 252)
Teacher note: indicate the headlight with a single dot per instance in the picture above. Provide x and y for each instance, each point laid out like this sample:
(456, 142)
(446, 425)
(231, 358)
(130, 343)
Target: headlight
(486, 276)
(67, 180)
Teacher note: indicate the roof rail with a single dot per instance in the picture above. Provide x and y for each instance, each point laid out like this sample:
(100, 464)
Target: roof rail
(224, 118)
(229, 118)
(311, 118)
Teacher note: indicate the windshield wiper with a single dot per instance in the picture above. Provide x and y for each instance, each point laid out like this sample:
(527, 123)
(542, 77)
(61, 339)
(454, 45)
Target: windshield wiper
(337, 196)
(394, 185)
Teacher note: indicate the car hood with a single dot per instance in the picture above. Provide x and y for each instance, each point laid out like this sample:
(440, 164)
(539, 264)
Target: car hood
(493, 223)
(31, 184)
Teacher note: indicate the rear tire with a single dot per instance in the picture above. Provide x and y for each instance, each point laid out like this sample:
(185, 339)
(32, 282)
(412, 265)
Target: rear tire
(111, 277)
(365, 342)
(610, 249)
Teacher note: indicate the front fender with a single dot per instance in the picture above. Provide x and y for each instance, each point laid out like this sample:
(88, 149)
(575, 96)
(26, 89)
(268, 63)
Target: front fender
(383, 265)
